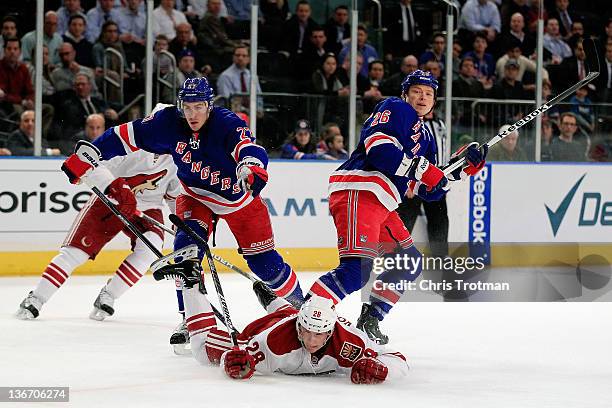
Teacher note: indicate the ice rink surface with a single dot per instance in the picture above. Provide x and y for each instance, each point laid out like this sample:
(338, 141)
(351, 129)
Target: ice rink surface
(460, 354)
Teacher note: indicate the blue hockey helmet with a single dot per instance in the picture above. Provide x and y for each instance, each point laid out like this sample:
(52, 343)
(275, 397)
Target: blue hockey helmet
(420, 77)
(195, 90)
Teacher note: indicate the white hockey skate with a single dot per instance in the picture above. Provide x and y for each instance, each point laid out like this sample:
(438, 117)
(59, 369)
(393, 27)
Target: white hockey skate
(103, 306)
(29, 307)
(179, 340)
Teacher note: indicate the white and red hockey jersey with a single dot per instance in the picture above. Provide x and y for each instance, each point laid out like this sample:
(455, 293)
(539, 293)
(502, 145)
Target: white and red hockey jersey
(152, 178)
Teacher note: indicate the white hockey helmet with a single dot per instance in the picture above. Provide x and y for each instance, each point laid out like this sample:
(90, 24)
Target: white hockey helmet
(317, 314)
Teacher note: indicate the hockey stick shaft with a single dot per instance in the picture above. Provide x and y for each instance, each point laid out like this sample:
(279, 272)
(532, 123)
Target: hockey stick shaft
(137, 233)
(216, 257)
(523, 121)
(180, 224)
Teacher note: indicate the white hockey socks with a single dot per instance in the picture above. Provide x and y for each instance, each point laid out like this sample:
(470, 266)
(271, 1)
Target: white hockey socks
(58, 271)
(200, 320)
(133, 266)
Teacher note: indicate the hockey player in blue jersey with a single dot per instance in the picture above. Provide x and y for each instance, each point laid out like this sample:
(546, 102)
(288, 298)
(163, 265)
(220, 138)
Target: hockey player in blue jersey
(221, 170)
(395, 153)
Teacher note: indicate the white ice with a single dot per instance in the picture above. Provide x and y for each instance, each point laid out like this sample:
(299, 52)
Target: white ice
(460, 354)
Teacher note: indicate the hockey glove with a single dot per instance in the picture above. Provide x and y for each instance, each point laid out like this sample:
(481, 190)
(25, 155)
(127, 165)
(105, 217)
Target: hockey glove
(122, 196)
(251, 175)
(239, 364)
(368, 370)
(422, 170)
(75, 168)
(475, 157)
(430, 194)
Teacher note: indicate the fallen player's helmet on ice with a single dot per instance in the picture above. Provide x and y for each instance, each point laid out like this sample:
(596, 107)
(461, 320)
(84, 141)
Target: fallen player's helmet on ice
(195, 90)
(317, 315)
(420, 77)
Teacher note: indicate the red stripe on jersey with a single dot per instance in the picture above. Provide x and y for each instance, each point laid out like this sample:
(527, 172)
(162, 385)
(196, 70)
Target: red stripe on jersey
(239, 147)
(123, 133)
(287, 287)
(370, 140)
(355, 178)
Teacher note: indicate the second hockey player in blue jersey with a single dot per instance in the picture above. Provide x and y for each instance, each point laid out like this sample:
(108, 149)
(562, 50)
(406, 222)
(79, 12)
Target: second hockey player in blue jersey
(395, 153)
(221, 170)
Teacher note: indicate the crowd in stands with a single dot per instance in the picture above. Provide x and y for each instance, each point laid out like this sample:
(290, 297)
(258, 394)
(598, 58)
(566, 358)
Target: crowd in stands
(89, 45)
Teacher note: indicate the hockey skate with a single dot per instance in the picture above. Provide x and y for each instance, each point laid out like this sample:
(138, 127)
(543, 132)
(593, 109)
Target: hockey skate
(189, 272)
(29, 307)
(179, 340)
(103, 306)
(264, 294)
(369, 325)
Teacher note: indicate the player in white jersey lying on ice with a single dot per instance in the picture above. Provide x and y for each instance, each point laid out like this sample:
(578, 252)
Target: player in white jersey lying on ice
(140, 181)
(313, 340)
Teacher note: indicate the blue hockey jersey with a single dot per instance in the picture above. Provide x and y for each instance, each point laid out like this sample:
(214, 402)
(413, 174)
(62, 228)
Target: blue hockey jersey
(206, 160)
(390, 138)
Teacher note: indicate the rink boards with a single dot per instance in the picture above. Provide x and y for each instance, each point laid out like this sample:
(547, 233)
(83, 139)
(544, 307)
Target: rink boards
(518, 214)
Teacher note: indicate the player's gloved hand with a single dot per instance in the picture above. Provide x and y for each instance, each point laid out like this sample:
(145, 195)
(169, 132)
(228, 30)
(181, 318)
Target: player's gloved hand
(122, 196)
(239, 364)
(251, 175)
(422, 170)
(430, 194)
(475, 156)
(368, 370)
(75, 168)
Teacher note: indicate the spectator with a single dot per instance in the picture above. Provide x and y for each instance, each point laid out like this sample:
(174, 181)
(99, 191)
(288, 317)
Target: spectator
(325, 79)
(481, 16)
(372, 96)
(436, 212)
(407, 30)
(507, 149)
(160, 60)
(300, 145)
(63, 77)
(200, 7)
(16, 91)
(516, 32)
(21, 141)
(75, 36)
(109, 38)
(314, 51)
(554, 44)
(582, 107)
(212, 36)
(513, 51)
(604, 86)
(186, 69)
(329, 130)
(240, 22)
(78, 105)
(344, 74)
(564, 148)
(434, 67)
(237, 78)
(562, 14)
(97, 16)
(335, 147)
(368, 52)
(94, 127)
(392, 85)
(296, 31)
(51, 39)
(484, 62)
(467, 86)
(166, 18)
(511, 8)
(436, 53)
(9, 30)
(185, 40)
(606, 37)
(457, 52)
(508, 87)
(547, 137)
(577, 31)
(132, 21)
(69, 8)
(48, 88)
(572, 69)
(337, 29)
(533, 16)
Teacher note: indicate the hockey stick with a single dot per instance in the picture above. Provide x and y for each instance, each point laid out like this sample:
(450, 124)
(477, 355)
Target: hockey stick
(216, 257)
(90, 157)
(523, 121)
(180, 224)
